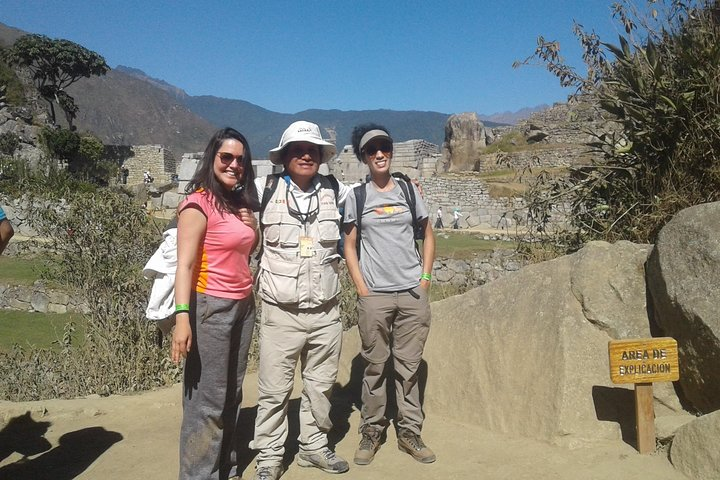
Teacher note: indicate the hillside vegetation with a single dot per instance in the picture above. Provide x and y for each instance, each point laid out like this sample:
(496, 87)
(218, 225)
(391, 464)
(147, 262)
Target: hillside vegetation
(660, 81)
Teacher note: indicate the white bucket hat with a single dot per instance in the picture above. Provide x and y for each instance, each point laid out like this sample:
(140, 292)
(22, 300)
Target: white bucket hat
(302, 132)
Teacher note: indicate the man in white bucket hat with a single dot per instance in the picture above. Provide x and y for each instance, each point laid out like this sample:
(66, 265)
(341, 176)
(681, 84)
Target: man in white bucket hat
(298, 283)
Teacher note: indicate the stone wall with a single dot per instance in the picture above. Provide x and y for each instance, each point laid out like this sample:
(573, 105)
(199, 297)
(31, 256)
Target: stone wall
(559, 156)
(469, 193)
(458, 273)
(39, 298)
(415, 158)
(17, 212)
(156, 159)
(568, 123)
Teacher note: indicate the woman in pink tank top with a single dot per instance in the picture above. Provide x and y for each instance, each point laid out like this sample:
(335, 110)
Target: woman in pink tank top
(215, 307)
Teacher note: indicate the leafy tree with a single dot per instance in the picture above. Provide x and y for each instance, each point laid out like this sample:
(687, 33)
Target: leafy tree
(661, 84)
(83, 154)
(55, 65)
(11, 88)
(61, 143)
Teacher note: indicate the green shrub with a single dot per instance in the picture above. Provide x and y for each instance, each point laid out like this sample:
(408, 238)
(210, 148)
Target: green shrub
(100, 242)
(83, 154)
(51, 181)
(9, 142)
(61, 143)
(661, 86)
(14, 91)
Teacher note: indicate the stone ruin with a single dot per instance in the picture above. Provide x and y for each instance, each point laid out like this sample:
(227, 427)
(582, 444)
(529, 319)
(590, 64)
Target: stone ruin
(155, 159)
(415, 158)
(447, 177)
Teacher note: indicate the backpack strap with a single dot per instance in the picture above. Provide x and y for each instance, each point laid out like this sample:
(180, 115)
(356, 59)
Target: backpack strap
(271, 183)
(409, 193)
(360, 195)
(334, 184)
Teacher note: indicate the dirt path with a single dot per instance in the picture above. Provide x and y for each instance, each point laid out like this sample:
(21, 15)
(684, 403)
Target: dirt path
(136, 436)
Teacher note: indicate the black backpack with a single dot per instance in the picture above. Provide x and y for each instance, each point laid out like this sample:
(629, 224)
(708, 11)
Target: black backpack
(409, 194)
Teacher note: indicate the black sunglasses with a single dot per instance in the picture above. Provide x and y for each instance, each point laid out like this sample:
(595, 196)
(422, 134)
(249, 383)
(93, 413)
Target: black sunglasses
(384, 147)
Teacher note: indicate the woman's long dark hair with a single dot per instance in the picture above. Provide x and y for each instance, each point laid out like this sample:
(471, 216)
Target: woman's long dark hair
(244, 194)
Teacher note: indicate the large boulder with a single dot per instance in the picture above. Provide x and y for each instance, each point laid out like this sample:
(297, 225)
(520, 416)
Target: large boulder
(694, 450)
(464, 142)
(683, 275)
(527, 354)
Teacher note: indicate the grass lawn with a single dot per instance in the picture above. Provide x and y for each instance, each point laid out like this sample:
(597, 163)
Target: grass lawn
(39, 329)
(20, 271)
(463, 246)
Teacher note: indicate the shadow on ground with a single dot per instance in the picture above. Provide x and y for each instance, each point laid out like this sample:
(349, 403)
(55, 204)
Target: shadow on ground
(75, 452)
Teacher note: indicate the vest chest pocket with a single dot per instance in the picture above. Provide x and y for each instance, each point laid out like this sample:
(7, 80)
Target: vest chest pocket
(329, 227)
(281, 230)
(278, 281)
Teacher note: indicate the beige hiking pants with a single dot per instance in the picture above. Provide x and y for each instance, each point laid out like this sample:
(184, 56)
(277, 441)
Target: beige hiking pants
(394, 324)
(314, 337)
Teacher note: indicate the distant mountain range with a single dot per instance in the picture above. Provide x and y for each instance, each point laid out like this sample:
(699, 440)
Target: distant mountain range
(126, 106)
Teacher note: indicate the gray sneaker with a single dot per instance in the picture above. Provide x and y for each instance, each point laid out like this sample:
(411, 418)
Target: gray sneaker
(369, 444)
(268, 472)
(324, 459)
(410, 442)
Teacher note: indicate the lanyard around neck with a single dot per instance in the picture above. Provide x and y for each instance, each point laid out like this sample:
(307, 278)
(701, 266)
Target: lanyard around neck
(302, 216)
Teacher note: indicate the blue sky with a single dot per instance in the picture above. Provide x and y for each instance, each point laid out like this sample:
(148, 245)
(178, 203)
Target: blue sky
(447, 56)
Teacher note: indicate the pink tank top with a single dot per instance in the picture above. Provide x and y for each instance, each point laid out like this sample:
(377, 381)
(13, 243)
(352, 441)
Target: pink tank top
(222, 267)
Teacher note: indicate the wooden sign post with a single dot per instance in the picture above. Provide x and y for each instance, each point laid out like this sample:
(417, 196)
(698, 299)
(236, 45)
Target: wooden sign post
(642, 362)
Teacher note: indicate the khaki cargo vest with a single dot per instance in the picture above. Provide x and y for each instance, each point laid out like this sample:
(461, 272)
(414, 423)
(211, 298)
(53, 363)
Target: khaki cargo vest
(287, 278)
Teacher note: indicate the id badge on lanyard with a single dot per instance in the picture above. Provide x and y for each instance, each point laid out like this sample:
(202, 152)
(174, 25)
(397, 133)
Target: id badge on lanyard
(305, 241)
(306, 246)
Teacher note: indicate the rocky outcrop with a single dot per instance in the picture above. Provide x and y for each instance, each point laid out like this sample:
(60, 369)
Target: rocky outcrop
(527, 353)
(608, 281)
(694, 449)
(464, 142)
(18, 121)
(684, 283)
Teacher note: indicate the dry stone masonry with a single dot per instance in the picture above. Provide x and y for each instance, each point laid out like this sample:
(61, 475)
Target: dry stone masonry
(468, 193)
(156, 159)
(415, 158)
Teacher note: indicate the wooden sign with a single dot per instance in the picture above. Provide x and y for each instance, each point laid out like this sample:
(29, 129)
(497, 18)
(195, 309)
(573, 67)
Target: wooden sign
(644, 360)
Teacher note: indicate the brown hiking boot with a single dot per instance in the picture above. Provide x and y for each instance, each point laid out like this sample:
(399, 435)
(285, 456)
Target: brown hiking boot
(369, 444)
(410, 442)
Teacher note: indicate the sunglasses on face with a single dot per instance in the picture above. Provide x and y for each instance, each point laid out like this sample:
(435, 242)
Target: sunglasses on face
(383, 147)
(226, 157)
